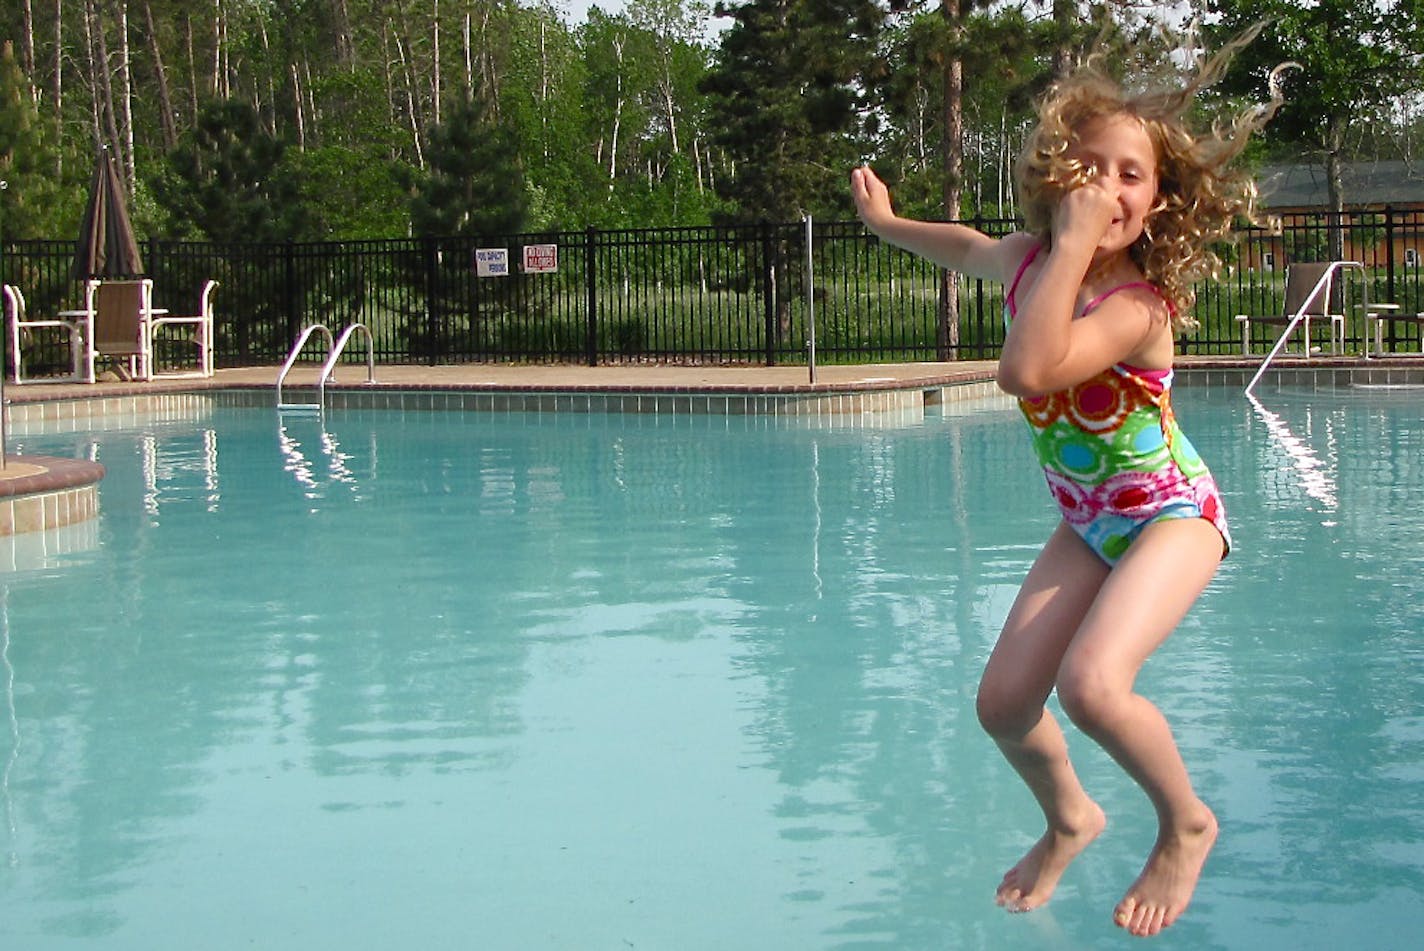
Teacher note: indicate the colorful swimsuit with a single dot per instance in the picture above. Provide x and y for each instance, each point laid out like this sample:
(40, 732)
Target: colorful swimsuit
(1112, 452)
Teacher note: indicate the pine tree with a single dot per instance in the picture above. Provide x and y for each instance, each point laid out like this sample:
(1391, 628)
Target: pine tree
(787, 103)
(31, 203)
(227, 180)
(473, 183)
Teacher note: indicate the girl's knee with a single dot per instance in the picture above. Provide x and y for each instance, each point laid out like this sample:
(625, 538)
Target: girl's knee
(1005, 714)
(1090, 700)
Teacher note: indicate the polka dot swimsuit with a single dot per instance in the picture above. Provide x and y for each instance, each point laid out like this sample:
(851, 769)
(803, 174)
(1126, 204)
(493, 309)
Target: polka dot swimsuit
(1113, 455)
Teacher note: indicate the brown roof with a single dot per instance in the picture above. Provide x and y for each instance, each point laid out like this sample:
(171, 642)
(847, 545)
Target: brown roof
(1371, 184)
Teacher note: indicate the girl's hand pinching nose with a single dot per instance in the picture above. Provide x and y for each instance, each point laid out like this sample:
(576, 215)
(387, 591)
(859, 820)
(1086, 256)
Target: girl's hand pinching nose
(1087, 211)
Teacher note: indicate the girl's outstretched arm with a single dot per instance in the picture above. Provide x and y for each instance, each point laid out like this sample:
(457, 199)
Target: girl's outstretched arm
(957, 247)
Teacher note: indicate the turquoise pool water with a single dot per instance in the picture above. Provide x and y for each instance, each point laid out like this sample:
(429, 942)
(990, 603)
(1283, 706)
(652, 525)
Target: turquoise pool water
(609, 682)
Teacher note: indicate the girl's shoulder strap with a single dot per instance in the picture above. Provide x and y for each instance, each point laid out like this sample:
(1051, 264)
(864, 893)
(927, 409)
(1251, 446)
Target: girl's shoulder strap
(1018, 276)
(1146, 285)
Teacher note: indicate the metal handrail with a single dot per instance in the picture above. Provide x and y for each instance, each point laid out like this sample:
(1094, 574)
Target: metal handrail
(1299, 315)
(330, 366)
(292, 359)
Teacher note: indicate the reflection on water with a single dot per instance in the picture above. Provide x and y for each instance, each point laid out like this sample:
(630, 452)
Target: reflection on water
(693, 683)
(41, 551)
(295, 429)
(1296, 459)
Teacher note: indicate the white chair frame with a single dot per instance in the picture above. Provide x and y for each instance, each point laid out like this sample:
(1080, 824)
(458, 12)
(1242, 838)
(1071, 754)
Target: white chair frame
(1381, 314)
(202, 324)
(19, 322)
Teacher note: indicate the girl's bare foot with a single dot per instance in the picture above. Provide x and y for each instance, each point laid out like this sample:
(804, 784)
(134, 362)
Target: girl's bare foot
(1164, 889)
(1030, 883)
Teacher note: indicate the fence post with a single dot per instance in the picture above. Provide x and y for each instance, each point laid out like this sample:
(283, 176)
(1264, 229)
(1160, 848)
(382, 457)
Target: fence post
(1389, 254)
(590, 278)
(768, 291)
(432, 299)
(289, 295)
(810, 299)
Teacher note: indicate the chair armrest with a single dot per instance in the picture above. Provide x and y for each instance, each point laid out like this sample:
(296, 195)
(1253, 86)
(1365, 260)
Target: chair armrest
(49, 322)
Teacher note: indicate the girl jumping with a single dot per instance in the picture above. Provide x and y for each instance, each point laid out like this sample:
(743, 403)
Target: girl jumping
(1121, 203)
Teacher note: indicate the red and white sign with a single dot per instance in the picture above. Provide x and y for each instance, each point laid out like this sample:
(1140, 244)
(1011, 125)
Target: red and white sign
(541, 258)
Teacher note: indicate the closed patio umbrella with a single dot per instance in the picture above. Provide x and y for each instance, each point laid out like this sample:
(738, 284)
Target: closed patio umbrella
(107, 245)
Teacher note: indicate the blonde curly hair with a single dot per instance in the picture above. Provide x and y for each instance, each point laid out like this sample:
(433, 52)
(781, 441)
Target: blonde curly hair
(1199, 196)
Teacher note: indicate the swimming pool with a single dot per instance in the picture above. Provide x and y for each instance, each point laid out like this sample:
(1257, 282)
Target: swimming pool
(609, 681)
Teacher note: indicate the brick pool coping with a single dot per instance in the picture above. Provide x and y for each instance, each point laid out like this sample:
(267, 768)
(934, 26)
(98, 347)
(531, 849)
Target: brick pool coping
(638, 387)
(47, 492)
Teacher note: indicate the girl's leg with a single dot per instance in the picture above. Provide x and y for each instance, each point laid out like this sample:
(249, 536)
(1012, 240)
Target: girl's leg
(1054, 599)
(1138, 606)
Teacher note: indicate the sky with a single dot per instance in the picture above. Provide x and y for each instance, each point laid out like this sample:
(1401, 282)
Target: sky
(576, 11)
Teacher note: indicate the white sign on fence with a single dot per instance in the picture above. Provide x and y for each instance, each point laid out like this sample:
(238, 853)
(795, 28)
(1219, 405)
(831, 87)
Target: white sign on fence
(492, 262)
(541, 258)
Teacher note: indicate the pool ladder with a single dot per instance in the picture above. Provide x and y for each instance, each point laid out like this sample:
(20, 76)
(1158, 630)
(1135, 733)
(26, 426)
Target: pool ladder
(1325, 284)
(333, 353)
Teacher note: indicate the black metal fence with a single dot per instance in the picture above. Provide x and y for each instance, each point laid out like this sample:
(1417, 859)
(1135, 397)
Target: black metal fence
(685, 295)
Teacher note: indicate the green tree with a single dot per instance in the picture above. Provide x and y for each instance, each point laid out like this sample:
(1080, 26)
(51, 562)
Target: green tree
(1358, 59)
(1005, 58)
(787, 103)
(643, 115)
(938, 51)
(228, 181)
(619, 71)
(473, 183)
(472, 186)
(675, 147)
(355, 151)
(328, 178)
(32, 204)
(541, 97)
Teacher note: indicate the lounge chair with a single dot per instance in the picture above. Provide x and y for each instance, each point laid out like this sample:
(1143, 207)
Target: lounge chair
(120, 315)
(1309, 289)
